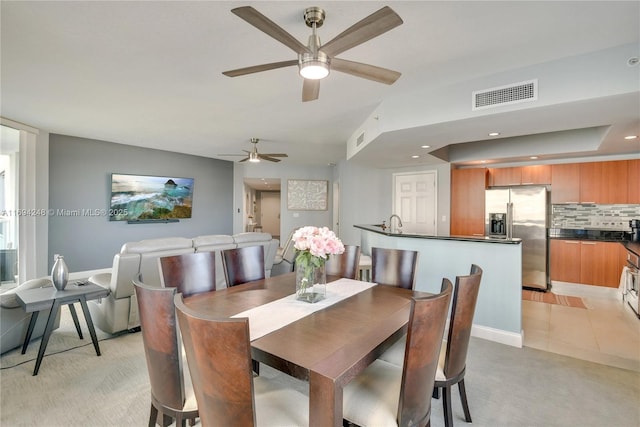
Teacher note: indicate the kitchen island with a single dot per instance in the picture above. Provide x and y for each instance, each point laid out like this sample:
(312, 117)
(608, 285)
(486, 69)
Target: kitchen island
(498, 315)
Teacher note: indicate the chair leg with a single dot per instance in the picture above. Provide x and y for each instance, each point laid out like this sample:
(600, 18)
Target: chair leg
(153, 416)
(192, 421)
(180, 422)
(446, 404)
(463, 399)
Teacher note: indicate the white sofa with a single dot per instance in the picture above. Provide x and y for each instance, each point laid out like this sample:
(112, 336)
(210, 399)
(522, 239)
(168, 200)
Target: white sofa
(14, 321)
(119, 311)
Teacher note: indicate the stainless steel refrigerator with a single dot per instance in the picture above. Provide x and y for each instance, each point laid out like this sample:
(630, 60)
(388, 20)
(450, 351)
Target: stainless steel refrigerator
(522, 212)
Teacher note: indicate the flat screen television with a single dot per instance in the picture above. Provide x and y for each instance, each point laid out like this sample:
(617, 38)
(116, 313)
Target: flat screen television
(148, 198)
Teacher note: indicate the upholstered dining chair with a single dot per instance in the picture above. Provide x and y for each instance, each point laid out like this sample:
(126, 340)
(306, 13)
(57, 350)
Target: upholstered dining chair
(242, 265)
(191, 274)
(453, 355)
(345, 264)
(388, 395)
(394, 267)
(171, 390)
(226, 390)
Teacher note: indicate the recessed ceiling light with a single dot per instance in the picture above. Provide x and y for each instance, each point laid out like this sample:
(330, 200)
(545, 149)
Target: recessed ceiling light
(483, 161)
(415, 157)
(425, 146)
(533, 157)
(494, 133)
(631, 137)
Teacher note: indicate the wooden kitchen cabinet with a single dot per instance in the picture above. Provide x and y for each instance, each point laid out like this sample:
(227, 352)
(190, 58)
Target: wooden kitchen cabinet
(467, 201)
(601, 263)
(525, 175)
(604, 182)
(536, 174)
(565, 183)
(586, 262)
(505, 176)
(564, 260)
(633, 181)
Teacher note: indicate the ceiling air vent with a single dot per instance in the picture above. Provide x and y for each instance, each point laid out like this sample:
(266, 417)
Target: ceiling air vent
(505, 95)
(360, 139)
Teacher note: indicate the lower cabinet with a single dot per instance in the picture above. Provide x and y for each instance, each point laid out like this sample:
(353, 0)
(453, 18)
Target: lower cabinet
(586, 262)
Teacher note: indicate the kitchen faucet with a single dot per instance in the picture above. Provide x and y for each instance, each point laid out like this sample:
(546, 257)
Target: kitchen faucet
(391, 223)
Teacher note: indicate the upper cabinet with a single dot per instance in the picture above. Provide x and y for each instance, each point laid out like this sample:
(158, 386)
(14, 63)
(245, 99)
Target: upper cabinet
(603, 182)
(594, 182)
(526, 175)
(633, 179)
(467, 201)
(565, 183)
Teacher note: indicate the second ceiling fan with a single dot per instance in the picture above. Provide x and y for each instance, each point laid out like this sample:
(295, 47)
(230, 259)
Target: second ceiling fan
(316, 60)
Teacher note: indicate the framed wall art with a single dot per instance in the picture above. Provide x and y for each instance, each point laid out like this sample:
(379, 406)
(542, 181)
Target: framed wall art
(307, 195)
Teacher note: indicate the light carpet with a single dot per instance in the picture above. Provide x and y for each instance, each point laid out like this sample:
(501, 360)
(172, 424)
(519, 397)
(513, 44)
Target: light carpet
(551, 298)
(506, 386)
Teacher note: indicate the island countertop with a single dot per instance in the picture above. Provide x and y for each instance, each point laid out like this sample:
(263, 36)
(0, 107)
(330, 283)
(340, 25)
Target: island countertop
(387, 232)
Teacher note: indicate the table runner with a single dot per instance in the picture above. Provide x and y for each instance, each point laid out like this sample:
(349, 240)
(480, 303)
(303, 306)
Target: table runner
(279, 313)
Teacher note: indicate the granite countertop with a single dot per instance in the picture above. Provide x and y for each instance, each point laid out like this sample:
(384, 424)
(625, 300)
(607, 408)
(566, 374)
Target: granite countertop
(387, 232)
(588, 234)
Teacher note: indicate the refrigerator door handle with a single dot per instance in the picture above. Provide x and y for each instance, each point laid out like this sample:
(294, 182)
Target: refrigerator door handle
(509, 221)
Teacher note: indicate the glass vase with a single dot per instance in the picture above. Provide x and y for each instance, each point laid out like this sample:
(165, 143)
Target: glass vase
(60, 273)
(311, 283)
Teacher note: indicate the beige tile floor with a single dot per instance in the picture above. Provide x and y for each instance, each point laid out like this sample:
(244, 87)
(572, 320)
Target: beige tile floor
(607, 332)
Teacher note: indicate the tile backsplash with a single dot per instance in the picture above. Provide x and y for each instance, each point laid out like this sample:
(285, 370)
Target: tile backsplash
(604, 217)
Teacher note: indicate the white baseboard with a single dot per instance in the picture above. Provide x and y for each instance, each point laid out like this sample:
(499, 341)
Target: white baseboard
(498, 335)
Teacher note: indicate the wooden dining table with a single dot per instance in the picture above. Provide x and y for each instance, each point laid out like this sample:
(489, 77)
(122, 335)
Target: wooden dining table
(327, 348)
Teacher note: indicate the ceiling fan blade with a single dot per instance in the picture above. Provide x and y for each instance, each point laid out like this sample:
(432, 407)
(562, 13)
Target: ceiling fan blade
(243, 160)
(267, 158)
(259, 68)
(267, 26)
(372, 26)
(274, 154)
(231, 154)
(310, 90)
(366, 71)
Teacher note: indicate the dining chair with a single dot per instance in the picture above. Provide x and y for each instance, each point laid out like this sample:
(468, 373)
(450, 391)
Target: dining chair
(191, 274)
(394, 267)
(385, 394)
(172, 394)
(453, 355)
(226, 391)
(345, 264)
(242, 265)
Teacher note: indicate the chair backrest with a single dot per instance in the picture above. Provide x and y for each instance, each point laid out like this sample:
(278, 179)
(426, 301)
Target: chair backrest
(424, 339)
(394, 267)
(346, 264)
(463, 307)
(224, 389)
(242, 265)
(161, 344)
(190, 273)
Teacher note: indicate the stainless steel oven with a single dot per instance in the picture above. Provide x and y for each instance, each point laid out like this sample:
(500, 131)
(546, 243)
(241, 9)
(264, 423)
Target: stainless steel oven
(632, 282)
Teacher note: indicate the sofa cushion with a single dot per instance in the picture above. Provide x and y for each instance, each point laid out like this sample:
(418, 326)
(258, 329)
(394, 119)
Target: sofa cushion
(166, 244)
(213, 242)
(251, 237)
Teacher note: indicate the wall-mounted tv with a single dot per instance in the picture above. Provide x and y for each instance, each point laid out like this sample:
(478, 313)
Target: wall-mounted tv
(144, 198)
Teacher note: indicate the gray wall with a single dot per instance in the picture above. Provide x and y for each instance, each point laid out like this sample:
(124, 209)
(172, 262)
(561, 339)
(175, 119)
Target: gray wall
(80, 178)
(366, 196)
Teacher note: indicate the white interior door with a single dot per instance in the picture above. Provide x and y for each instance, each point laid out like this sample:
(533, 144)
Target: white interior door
(270, 212)
(415, 201)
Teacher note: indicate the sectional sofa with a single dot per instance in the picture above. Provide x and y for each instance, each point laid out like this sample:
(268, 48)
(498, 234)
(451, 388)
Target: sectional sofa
(119, 311)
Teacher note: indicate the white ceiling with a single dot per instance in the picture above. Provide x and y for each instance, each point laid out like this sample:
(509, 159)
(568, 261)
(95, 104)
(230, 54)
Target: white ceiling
(148, 73)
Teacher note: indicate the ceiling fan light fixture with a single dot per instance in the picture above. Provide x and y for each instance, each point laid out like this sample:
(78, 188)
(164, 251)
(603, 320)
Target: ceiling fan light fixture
(253, 157)
(314, 67)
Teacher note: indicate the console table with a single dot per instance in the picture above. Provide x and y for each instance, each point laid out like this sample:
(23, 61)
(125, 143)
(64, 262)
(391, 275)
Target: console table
(35, 300)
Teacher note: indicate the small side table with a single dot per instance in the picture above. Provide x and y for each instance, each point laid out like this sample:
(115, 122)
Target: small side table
(35, 300)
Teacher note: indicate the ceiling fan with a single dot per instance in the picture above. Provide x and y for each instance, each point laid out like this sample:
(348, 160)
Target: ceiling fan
(254, 157)
(316, 60)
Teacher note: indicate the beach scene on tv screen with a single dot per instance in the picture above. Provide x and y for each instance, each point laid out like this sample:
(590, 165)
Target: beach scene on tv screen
(141, 197)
